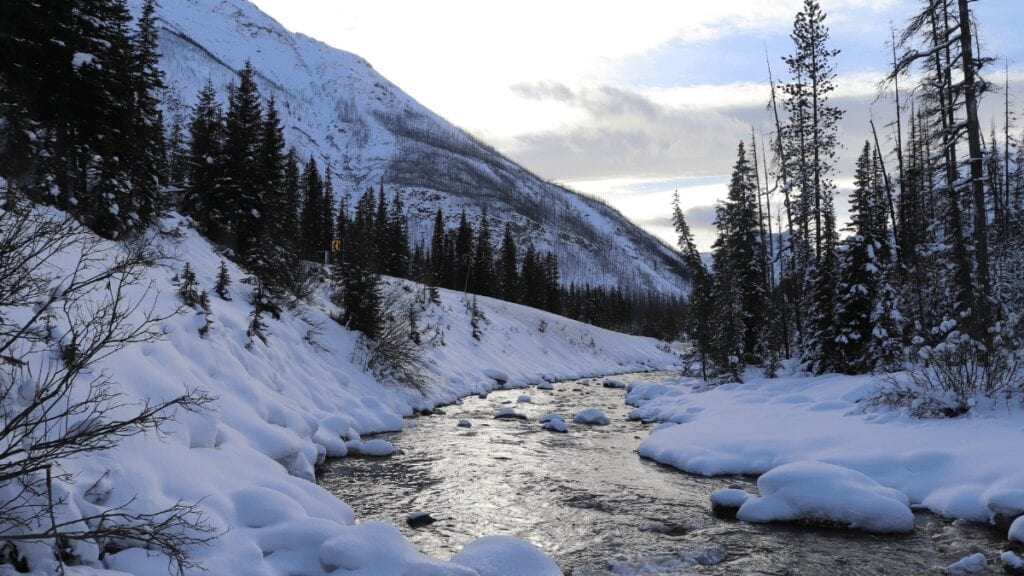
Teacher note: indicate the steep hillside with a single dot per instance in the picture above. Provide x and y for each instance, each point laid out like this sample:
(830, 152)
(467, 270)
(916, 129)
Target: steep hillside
(279, 407)
(336, 108)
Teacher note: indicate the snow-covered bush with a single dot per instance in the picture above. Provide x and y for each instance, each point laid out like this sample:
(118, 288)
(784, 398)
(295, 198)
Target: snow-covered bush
(950, 377)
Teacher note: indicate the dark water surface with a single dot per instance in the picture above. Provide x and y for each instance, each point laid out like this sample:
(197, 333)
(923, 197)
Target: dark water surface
(597, 508)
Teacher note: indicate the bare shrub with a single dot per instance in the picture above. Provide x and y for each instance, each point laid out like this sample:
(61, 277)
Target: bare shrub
(67, 301)
(396, 351)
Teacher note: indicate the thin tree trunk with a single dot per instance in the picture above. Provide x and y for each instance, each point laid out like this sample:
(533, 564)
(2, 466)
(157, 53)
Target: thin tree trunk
(888, 193)
(977, 172)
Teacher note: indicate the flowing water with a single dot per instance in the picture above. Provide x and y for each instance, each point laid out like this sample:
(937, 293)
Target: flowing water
(589, 501)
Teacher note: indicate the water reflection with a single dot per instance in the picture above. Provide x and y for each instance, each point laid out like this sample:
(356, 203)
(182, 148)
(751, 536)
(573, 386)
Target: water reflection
(589, 501)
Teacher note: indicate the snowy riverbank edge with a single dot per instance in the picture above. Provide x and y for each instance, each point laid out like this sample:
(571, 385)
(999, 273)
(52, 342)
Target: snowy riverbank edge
(285, 405)
(962, 468)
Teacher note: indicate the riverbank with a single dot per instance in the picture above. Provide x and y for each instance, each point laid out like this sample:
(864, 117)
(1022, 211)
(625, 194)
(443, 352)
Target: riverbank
(964, 468)
(284, 404)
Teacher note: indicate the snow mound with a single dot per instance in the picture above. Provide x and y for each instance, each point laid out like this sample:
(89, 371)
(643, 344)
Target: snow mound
(613, 383)
(549, 417)
(376, 447)
(557, 425)
(463, 423)
(374, 548)
(822, 492)
(972, 564)
(505, 556)
(496, 375)
(1017, 530)
(523, 399)
(545, 386)
(591, 416)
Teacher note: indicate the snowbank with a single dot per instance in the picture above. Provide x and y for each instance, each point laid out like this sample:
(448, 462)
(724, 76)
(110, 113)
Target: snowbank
(505, 556)
(283, 406)
(820, 492)
(955, 467)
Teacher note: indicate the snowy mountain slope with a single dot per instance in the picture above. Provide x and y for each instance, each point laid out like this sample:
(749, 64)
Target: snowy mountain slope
(283, 405)
(336, 108)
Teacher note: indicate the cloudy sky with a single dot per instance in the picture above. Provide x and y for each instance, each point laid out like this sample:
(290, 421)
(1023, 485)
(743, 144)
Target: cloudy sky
(628, 101)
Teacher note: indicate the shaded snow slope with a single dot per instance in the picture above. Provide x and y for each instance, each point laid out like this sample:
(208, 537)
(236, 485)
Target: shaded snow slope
(960, 468)
(284, 405)
(337, 108)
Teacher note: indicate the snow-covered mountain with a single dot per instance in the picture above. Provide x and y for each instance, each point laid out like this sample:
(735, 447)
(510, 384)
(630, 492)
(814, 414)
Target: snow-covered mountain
(338, 109)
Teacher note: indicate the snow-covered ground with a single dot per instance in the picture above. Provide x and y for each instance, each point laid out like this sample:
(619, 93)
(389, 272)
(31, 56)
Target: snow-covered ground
(284, 405)
(967, 467)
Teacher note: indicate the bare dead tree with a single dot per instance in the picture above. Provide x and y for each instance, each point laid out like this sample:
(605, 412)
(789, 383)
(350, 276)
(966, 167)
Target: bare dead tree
(69, 300)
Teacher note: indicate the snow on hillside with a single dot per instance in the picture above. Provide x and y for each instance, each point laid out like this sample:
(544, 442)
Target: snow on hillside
(337, 108)
(960, 468)
(283, 406)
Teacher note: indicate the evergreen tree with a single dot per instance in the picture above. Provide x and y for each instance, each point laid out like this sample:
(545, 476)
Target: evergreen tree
(463, 254)
(311, 221)
(437, 250)
(291, 197)
(482, 274)
(148, 151)
(204, 198)
(243, 188)
(357, 278)
(397, 240)
(739, 274)
(326, 226)
(223, 282)
(861, 262)
(507, 267)
(552, 287)
(272, 257)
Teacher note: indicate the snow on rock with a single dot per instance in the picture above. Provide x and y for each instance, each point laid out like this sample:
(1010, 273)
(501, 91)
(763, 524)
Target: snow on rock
(973, 564)
(613, 383)
(509, 413)
(1016, 533)
(505, 556)
(419, 518)
(545, 385)
(1012, 563)
(592, 416)
(464, 423)
(496, 375)
(377, 447)
(725, 503)
(821, 492)
(556, 425)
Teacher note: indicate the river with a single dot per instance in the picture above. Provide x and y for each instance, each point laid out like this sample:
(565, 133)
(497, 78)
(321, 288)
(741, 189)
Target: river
(589, 501)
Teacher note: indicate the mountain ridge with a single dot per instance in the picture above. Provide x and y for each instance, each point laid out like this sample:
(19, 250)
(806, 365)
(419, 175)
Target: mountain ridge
(334, 106)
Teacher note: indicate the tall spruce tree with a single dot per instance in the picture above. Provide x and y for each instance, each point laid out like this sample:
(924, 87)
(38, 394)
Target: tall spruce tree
(243, 188)
(482, 274)
(739, 273)
(507, 268)
(205, 198)
(311, 220)
(357, 278)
